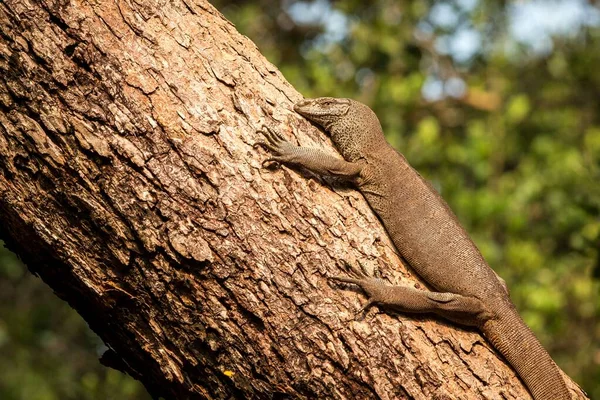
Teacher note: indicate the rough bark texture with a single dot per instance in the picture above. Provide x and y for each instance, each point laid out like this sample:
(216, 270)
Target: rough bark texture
(129, 184)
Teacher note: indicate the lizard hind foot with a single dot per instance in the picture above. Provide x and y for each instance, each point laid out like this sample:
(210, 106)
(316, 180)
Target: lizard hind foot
(361, 313)
(346, 279)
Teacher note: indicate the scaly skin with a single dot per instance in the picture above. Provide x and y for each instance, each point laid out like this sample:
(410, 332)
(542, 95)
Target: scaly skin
(426, 233)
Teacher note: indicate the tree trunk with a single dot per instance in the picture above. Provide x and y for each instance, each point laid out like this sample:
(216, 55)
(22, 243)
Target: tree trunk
(130, 185)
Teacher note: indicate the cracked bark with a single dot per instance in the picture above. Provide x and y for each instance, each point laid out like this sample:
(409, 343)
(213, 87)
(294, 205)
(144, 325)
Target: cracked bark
(130, 185)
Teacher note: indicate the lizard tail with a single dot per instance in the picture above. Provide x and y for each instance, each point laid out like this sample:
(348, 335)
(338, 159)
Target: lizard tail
(517, 343)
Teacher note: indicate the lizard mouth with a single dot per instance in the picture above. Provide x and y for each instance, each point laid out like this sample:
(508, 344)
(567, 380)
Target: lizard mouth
(311, 108)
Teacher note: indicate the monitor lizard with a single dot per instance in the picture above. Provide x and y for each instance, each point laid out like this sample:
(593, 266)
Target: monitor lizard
(426, 233)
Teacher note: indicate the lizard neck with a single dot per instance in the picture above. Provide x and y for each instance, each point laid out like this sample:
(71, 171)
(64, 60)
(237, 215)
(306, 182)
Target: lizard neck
(357, 135)
(346, 143)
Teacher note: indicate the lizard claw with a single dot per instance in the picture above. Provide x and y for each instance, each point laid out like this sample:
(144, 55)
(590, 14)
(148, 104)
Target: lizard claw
(346, 279)
(264, 144)
(366, 307)
(365, 283)
(274, 139)
(272, 136)
(271, 162)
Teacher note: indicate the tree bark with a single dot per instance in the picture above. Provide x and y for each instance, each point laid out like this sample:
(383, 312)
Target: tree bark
(129, 184)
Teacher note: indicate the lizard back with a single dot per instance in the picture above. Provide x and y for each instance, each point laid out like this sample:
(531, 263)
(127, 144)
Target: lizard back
(423, 227)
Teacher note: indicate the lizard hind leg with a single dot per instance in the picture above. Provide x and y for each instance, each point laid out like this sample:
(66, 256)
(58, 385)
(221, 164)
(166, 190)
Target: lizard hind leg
(462, 309)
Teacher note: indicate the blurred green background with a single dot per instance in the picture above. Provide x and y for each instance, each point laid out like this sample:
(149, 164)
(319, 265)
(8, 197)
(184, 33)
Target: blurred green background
(496, 103)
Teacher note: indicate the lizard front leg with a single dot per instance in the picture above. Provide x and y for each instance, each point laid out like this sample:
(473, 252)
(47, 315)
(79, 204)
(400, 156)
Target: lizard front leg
(314, 160)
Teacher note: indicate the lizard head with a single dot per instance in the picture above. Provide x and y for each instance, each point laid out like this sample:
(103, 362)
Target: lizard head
(353, 126)
(325, 111)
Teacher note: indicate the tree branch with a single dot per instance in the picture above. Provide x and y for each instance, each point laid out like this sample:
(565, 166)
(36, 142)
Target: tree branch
(130, 185)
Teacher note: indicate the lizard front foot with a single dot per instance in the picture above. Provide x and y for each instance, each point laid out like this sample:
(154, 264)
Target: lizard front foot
(282, 151)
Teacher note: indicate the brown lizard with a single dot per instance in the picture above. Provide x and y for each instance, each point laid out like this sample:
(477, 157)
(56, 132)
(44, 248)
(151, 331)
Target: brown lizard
(426, 233)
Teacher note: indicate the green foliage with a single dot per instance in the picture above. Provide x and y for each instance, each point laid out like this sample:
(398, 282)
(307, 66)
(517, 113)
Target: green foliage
(47, 352)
